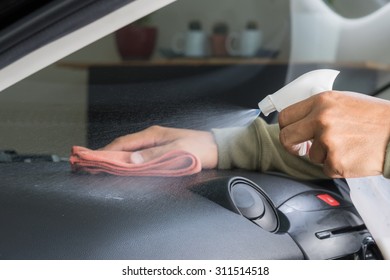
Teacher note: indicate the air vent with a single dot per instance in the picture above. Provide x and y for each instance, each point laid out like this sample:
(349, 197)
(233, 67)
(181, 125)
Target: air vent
(254, 204)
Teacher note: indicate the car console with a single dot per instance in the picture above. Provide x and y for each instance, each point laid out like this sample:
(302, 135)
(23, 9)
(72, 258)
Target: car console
(317, 216)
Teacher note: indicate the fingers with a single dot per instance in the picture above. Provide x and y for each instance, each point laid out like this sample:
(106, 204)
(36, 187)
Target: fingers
(146, 155)
(152, 136)
(307, 120)
(317, 153)
(198, 143)
(295, 112)
(292, 136)
(296, 128)
(299, 124)
(156, 141)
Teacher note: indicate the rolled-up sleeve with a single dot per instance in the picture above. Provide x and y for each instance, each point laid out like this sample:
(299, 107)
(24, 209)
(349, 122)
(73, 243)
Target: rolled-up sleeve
(257, 147)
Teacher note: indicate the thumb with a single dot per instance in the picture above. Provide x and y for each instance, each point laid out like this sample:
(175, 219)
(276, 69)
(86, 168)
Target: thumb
(146, 155)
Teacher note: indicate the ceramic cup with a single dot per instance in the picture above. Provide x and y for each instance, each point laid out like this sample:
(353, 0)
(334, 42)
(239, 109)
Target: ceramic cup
(247, 43)
(191, 43)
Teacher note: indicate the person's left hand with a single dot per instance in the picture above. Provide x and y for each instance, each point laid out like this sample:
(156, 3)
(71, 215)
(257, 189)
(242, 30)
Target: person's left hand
(155, 141)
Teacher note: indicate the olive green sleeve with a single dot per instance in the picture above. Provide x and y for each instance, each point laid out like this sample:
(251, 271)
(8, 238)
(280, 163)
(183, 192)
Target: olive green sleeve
(386, 167)
(257, 147)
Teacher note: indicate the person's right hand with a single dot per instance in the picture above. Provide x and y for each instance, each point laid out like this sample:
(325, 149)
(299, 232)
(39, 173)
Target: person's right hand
(350, 132)
(155, 141)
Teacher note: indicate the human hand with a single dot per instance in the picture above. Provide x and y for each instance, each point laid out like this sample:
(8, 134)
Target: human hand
(349, 131)
(155, 141)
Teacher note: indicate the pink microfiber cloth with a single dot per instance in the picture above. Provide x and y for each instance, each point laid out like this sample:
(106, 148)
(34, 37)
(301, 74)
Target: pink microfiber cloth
(172, 164)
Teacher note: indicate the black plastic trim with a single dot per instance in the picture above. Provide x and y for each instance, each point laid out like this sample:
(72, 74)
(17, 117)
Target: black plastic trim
(50, 22)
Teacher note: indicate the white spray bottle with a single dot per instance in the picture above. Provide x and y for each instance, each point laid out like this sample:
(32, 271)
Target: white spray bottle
(370, 195)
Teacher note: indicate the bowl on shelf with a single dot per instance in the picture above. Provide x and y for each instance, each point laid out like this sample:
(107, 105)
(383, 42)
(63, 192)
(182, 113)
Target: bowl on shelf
(136, 41)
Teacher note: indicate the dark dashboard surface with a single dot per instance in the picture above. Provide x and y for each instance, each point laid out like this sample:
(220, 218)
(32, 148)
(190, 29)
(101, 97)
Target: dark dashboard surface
(47, 212)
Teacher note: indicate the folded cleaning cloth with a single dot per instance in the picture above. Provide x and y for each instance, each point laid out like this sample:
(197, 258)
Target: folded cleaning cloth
(172, 164)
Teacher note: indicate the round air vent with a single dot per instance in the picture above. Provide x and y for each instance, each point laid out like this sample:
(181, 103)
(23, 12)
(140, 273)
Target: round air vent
(254, 204)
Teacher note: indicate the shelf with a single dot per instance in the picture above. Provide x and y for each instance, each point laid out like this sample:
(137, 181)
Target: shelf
(171, 62)
(220, 61)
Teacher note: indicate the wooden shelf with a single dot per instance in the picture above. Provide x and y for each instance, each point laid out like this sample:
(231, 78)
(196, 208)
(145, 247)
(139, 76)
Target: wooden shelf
(170, 62)
(221, 61)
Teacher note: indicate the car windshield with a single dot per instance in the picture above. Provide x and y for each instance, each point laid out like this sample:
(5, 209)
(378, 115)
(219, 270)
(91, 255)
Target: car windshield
(76, 75)
(193, 64)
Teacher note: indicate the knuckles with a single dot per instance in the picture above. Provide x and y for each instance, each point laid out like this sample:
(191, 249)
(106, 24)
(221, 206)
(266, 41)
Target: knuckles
(155, 128)
(120, 140)
(327, 96)
(282, 118)
(338, 165)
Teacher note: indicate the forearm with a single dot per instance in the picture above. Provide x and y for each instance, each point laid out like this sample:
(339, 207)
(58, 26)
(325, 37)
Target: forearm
(257, 147)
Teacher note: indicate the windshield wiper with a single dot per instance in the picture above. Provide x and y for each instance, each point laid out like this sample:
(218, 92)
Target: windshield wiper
(7, 156)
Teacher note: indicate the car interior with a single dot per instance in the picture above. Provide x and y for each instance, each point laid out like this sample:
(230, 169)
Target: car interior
(82, 73)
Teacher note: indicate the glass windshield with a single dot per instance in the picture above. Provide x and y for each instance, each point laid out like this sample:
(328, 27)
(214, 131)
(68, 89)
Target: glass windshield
(193, 64)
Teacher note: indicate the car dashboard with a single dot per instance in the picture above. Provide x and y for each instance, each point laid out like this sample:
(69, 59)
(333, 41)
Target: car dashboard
(48, 212)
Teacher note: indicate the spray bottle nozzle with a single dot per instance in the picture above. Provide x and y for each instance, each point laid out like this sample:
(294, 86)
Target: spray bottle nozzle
(266, 106)
(301, 88)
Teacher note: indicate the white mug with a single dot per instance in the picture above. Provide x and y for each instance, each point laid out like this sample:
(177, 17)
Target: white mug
(246, 44)
(191, 43)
